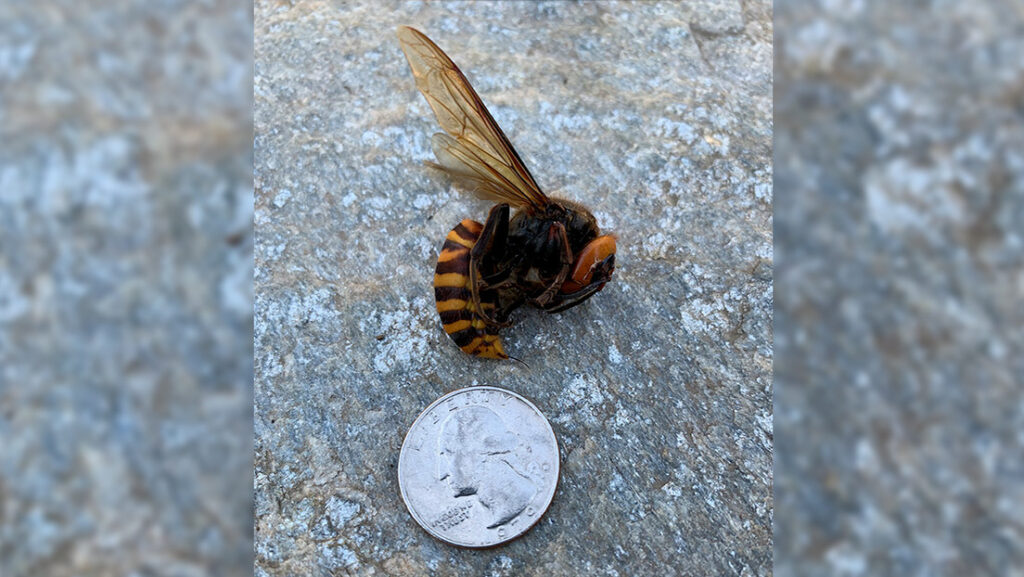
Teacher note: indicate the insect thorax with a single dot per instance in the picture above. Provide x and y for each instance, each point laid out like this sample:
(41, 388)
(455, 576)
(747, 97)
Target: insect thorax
(533, 242)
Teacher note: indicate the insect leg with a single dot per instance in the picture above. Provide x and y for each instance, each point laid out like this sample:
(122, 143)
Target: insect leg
(507, 304)
(563, 273)
(489, 248)
(601, 275)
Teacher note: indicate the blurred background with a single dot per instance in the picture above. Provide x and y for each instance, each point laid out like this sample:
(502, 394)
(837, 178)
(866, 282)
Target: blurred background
(125, 288)
(899, 204)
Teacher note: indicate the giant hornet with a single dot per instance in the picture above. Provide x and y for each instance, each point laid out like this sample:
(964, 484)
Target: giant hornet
(550, 254)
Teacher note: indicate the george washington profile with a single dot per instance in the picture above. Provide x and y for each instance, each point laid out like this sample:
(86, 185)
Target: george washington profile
(478, 457)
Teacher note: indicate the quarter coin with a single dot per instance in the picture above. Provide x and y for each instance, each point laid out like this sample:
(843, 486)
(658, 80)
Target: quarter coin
(478, 467)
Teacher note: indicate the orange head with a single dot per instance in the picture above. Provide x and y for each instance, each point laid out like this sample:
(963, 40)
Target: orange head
(593, 254)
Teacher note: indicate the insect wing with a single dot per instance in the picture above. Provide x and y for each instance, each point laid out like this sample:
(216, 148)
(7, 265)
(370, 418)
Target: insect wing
(475, 152)
(469, 171)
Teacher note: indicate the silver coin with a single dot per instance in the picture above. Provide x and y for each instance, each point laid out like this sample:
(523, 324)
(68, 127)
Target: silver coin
(478, 467)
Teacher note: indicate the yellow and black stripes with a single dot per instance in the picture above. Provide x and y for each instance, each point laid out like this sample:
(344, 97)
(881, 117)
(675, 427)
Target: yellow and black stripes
(459, 316)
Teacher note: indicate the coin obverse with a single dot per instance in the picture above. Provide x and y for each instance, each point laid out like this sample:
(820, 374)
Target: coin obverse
(478, 467)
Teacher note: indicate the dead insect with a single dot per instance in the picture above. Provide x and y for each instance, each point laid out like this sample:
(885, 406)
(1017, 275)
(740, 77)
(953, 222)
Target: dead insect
(550, 254)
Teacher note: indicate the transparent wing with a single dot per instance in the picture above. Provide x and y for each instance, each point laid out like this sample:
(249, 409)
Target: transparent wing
(475, 152)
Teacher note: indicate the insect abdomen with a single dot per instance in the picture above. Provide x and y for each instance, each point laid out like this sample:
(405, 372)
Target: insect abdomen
(455, 300)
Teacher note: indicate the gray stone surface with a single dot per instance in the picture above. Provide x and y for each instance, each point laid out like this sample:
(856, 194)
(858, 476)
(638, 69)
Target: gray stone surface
(900, 158)
(658, 116)
(125, 288)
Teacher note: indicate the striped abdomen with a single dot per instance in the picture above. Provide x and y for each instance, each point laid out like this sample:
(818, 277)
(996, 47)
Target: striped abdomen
(455, 301)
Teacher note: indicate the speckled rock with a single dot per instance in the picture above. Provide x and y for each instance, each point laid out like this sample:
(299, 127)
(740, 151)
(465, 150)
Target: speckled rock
(658, 117)
(900, 397)
(125, 288)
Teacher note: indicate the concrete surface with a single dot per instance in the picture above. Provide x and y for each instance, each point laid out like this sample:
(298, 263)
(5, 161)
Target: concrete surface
(657, 116)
